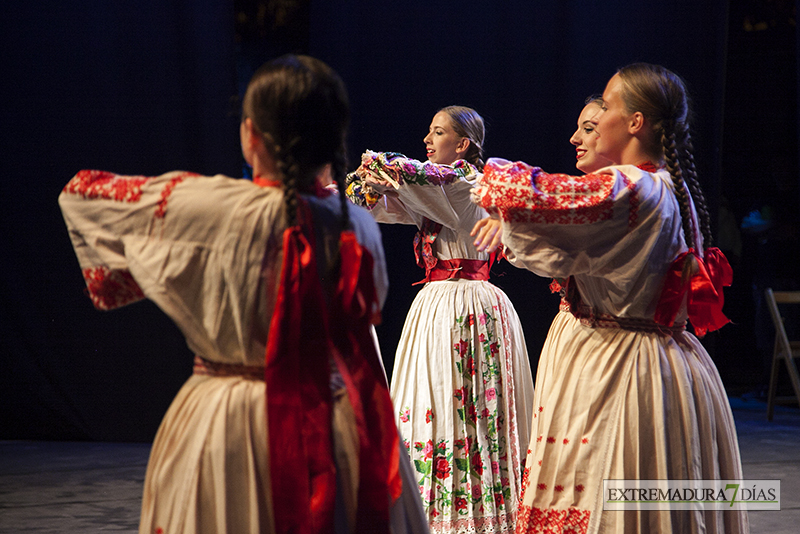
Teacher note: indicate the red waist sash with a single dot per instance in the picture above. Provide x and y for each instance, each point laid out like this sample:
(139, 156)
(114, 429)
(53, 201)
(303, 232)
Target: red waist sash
(458, 268)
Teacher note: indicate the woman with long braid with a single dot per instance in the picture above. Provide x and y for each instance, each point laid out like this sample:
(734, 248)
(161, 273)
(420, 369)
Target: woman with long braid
(286, 423)
(623, 391)
(461, 384)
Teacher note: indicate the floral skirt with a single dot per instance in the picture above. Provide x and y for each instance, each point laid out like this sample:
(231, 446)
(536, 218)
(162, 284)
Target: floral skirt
(463, 392)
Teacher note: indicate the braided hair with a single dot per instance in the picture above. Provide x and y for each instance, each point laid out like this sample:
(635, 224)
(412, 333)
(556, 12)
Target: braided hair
(661, 96)
(300, 107)
(468, 123)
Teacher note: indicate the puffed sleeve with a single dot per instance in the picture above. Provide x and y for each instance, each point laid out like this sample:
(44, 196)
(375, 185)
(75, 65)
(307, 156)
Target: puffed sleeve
(415, 190)
(193, 245)
(560, 225)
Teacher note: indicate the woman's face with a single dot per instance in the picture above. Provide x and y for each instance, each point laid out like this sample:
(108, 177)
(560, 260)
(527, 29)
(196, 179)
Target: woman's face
(612, 124)
(442, 144)
(585, 140)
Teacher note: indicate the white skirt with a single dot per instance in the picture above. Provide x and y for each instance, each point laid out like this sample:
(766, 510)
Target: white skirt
(209, 465)
(617, 404)
(463, 393)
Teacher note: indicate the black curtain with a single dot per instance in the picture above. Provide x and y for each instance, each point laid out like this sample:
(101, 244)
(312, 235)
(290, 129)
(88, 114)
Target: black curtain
(527, 67)
(134, 87)
(150, 86)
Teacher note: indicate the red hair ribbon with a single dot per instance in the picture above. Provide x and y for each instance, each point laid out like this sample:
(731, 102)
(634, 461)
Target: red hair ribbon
(297, 375)
(304, 337)
(358, 361)
(701, 282)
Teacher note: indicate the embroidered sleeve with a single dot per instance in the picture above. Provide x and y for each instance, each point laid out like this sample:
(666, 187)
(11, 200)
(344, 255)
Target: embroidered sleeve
(559, 225)
(396, 169)
(522, 193)
(101, 209)
(408, 191)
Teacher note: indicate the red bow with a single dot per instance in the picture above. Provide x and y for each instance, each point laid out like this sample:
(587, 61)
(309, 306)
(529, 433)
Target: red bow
(703, 281)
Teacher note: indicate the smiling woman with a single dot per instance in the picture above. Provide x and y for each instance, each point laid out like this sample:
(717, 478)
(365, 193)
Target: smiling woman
(623, 390)
(585, 138)
(461, 385)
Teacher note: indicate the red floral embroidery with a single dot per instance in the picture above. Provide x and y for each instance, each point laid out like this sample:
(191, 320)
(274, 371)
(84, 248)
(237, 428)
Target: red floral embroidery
(423, 245)
(633, 200)
(538, 440)
(106, 185)
(161, 207)
(541, 486)
(551, 521)
(559, 488)
(579, 488)
(442, 467)
(566, 441)
(522, 193)
(585, 441)
(111, 289)
(428, 416)
(477, 464)
(551, 439)
(541, 408)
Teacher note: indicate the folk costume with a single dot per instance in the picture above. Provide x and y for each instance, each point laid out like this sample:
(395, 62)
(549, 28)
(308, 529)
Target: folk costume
(623, 390)
(286, 423)
(461, 384)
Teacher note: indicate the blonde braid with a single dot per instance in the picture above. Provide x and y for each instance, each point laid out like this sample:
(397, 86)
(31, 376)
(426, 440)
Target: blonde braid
(675, 171)
(697, 192)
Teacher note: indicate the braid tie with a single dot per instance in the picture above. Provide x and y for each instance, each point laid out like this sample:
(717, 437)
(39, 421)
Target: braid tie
(674, 168)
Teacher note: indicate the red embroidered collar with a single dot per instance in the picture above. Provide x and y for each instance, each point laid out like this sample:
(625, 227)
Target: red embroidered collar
(648, 166)
(263, 182)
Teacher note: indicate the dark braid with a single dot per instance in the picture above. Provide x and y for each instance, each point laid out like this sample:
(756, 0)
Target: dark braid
(290, 170)
(339, 171)
(300, 106)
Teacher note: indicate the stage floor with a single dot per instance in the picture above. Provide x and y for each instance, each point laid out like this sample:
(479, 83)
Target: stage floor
(66, 487)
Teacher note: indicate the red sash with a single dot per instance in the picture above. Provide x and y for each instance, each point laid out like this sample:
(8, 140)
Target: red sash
(458, 268)
(300, 351)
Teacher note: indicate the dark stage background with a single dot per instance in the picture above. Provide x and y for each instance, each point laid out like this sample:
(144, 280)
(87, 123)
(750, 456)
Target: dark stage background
(149, 86)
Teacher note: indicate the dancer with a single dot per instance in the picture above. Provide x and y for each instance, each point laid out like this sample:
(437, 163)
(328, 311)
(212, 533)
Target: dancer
(461, 383)
(623, 391)
(286, 424)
